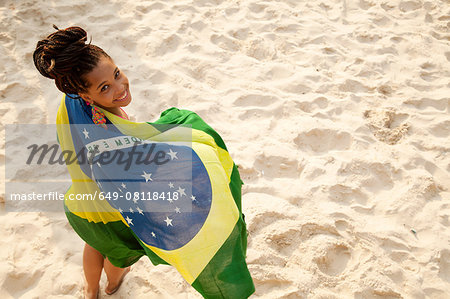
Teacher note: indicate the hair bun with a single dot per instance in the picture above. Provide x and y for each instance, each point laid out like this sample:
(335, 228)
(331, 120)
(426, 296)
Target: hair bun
(56, 55)
(70, 36)
(65, 57)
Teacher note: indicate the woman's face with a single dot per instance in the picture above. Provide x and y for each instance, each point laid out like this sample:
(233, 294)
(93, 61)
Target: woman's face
(109, 87)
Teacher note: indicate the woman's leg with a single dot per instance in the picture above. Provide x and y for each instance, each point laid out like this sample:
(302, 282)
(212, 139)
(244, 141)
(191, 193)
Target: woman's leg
(92, 266)
(115, 276)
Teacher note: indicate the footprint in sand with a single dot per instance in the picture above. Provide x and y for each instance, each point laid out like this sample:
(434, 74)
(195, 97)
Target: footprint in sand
(447, 55)
(423, 103)
(207, 3)
(366, 4)
(373, 176)
(441, 129)
(324, 294)
(18, 282)
(366, 35)
(311, 229)
(407, 6)
(231, 11)
(260, 49)
(348, 195)
(155, 6)
(323, 140)
(291, 28)
(240, 34)
(284, 240)
(387, 125)
(444, 265)
(33, 115)
(277, 166)
(319, 104)
(168, 45)
(354, 86)
(224, 42)
(427, 73)
(385, 293)
(256, 100)
(385, 89)
(256, 8)
(395, 249)
(341, 225)
(261, 220)
(198, 26)
(278, 72)
(255, 106)
(335, 260)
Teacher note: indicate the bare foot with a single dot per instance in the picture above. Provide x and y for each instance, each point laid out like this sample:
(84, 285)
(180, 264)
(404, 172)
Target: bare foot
(90, 294)
(112, 287)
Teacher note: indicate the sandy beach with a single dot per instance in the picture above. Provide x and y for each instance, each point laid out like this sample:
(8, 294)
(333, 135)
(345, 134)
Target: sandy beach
(337, 113)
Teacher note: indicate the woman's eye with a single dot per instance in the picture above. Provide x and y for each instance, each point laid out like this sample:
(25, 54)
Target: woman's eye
(105, 87)
(117, 74)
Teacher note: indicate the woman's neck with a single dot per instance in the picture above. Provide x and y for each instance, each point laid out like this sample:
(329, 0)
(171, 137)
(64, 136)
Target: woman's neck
(114, 110)
(117, 111)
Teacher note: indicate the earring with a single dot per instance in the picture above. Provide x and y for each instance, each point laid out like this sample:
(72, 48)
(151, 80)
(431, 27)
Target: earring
(98, 117)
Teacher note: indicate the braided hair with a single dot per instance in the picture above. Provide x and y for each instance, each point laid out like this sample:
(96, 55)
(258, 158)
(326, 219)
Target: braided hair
(65, 57)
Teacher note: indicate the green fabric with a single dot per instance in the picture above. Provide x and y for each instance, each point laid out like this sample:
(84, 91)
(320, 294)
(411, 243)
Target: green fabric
(227, 276)
(185, 117)
(114, 240)
(221, 278)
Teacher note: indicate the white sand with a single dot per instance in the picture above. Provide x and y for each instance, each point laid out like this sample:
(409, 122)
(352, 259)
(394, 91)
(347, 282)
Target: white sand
(336, 111)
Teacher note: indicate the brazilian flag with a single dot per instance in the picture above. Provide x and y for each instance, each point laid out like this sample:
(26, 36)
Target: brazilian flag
(168, 190)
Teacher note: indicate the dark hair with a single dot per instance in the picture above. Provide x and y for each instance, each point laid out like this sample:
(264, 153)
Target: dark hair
(65, 57)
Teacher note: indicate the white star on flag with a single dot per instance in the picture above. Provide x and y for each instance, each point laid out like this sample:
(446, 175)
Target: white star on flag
(177, 209)
(147, 176)
(131, 210)
(86, 133)
(120, 210)
(135, 200)
(168, 221)
(172, 154)
(140, 211)
(181, 191)
(130, 221)
(193, 198)
(153, 235)
(170, 185)
(124, 186)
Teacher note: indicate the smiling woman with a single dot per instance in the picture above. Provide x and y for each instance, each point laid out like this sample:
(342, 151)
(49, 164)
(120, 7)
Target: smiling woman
(109, 87)
(82, 69)
(89, 72)
(194, 222)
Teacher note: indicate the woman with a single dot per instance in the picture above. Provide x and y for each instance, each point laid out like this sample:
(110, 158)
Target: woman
(76, 69)
(95, 91)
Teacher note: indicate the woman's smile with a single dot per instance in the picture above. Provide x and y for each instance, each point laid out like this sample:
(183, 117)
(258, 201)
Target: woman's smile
(123, 98)
(109, 87)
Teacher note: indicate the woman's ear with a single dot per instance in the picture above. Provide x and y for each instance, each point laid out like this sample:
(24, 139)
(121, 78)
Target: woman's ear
(86, 98)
